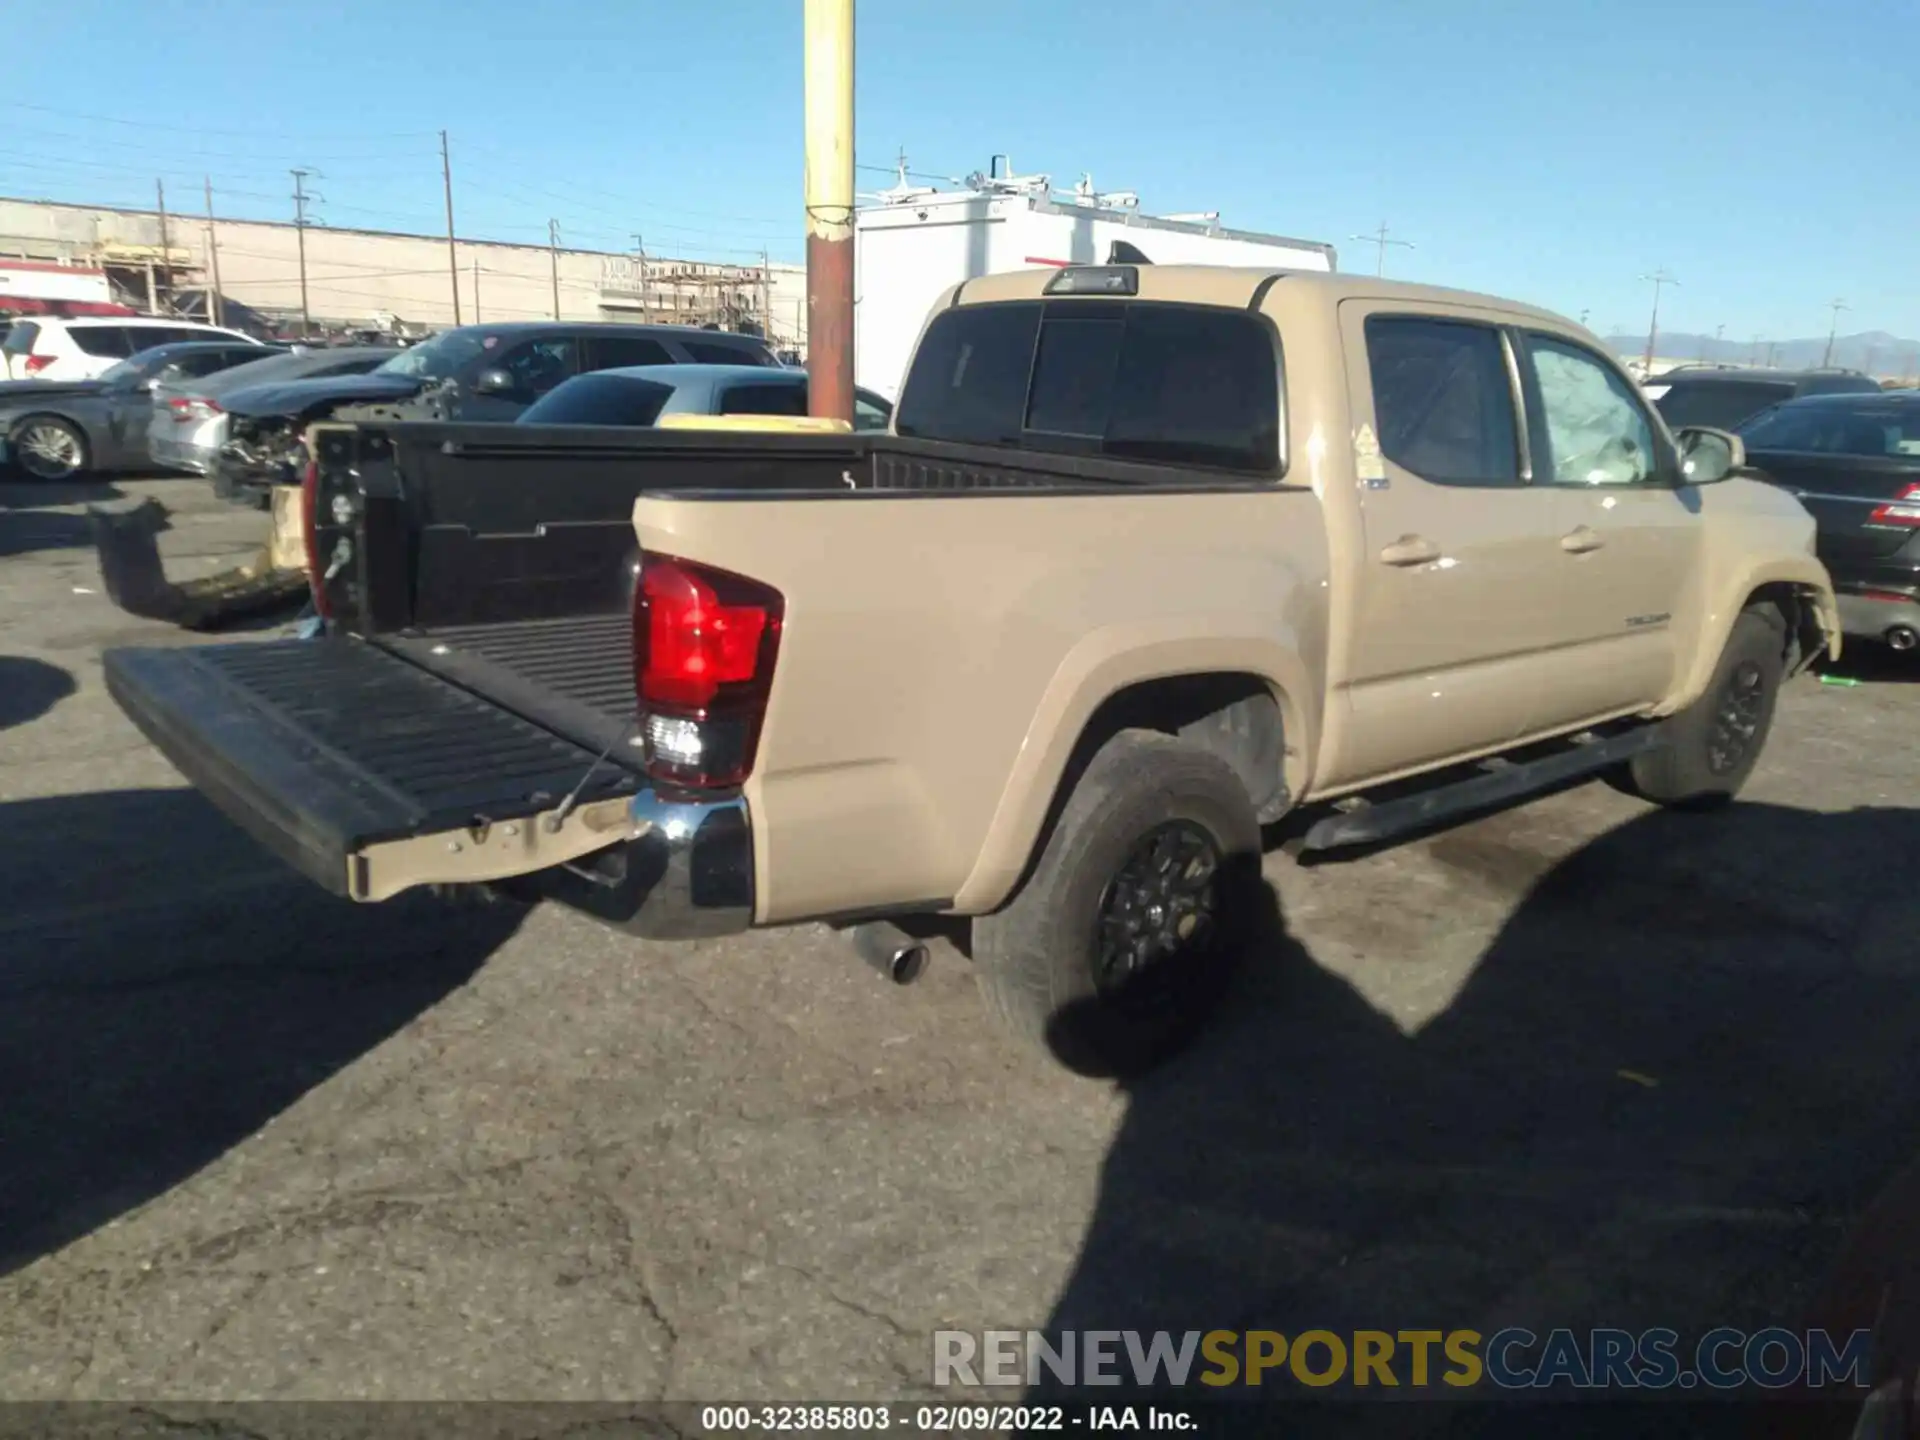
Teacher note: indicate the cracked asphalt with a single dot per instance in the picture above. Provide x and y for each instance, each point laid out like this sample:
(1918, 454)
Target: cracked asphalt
(1576, 1062)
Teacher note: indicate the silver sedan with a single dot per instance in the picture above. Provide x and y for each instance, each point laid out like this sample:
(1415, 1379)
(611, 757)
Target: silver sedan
(58, 430)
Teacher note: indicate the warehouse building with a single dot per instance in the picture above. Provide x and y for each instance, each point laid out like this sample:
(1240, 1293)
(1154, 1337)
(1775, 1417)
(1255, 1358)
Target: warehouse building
(370, 279)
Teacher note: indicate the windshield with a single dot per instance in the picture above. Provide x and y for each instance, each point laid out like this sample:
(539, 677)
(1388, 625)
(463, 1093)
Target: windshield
(440, 357)
(1719, 404)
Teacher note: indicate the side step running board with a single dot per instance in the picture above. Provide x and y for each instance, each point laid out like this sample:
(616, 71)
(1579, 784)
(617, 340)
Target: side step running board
(1500, 781)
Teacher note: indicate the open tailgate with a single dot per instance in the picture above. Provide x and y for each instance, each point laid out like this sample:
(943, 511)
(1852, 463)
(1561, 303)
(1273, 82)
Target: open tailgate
(366, 773)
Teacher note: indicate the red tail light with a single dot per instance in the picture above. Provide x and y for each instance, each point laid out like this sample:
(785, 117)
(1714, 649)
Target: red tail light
(704, 643)
(316, 571)
(37, 363)
(185, 408)
(1903, 512)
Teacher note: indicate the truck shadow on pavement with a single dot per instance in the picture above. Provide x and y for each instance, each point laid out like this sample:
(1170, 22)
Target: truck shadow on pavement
(30, 519)
(30, 688)
(1680, 1071)
(166, 989)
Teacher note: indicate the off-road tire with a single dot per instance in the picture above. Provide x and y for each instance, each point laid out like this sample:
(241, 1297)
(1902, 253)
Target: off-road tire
(1038, 958)
(1694, 769)
(76, 438)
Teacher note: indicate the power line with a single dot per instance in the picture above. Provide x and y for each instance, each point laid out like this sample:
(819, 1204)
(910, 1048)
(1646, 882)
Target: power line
(144, 124)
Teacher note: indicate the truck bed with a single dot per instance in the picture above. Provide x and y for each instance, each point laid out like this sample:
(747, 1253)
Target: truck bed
(321, 748)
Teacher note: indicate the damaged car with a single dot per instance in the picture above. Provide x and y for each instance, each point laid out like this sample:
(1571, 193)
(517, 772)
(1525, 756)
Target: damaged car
(472, 373)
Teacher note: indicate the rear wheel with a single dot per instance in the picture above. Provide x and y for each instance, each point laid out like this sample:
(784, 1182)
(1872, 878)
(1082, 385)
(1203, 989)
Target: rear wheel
(48, 447)
(1118, 946)
(1713, 745)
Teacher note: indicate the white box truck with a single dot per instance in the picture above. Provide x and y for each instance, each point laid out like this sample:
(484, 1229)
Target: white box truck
(910, 244)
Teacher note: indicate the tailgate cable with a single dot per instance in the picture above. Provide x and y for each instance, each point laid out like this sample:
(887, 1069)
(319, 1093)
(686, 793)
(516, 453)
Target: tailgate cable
(558, 818)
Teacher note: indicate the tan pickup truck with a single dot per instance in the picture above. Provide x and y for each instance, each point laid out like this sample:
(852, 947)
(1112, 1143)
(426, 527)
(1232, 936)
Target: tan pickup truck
(1153, 556)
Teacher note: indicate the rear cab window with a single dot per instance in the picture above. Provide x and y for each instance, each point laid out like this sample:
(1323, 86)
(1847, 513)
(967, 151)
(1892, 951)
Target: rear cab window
(1171, 384)
(600, 399)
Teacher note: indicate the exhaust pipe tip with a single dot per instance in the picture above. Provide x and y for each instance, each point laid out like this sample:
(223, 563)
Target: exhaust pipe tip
(900, 957)
(1903, 637)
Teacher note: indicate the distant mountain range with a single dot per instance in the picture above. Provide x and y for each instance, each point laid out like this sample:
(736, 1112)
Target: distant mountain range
(1874, 351)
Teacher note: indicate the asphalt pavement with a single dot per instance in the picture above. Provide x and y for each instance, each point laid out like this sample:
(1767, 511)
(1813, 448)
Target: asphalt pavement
(1579, 1062)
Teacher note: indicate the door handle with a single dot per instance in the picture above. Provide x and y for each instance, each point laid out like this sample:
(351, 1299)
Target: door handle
(1581, 540)
(1410, 550)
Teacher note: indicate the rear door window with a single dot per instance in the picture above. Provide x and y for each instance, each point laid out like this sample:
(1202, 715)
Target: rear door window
(714, 352)
(788, 399)
(102, 340)
(1719, 404)
(613, 352)
(1443, 400)
(1173, 384)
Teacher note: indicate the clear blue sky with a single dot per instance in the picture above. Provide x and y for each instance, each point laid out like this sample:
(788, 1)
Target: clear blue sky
(1552, 150)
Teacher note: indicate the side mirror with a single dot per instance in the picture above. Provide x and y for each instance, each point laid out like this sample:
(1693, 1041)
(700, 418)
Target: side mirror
(1708, 455)
(493, 382)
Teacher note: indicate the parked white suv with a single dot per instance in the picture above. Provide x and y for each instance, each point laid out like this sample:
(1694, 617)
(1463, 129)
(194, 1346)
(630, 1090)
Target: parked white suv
(79, 349)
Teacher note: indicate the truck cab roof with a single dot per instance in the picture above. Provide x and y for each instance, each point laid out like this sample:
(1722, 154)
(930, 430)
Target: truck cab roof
(1235, 285)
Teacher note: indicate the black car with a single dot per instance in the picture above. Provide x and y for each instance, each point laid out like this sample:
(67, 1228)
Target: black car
(474, 372)
(1854, 462)
(1722, 397)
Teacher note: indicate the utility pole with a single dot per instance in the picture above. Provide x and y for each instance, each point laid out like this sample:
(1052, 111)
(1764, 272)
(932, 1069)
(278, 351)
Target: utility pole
(216, 307)
(1380, 240)
(1659, 278)
(766, 300)
(476, 289)
(453, 254)
(646, 300)
(300, 237)
(166, 250)
(1833, 330)
(829, 206)
(553, 262)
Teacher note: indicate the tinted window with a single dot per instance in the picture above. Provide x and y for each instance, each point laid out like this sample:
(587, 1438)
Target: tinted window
(616, 352)
(600, 400)
(968, 380)
(537, 366)
(713, 352)
(101, 339)
(870, 412)
(1196, 387)
(21, 337)
(1174, 384)
(787, 399)
(1597, 432)
(1442, 400)
(1718, 404)
(1072, 392)
(1867, 427)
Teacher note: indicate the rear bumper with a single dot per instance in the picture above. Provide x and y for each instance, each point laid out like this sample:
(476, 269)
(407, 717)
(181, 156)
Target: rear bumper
(178, 454)
(372, 777)
(1873, 616)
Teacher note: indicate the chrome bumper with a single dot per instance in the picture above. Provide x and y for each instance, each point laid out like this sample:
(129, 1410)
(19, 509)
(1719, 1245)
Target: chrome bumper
(686, 874)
